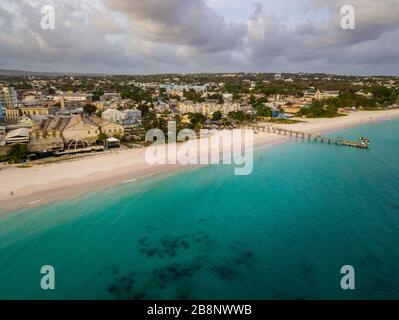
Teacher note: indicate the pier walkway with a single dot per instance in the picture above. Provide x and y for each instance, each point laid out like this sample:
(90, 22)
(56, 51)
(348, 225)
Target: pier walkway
(362, 143)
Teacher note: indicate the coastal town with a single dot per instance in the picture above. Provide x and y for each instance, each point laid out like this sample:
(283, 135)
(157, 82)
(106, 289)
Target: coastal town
(46, 115)
(198, 158)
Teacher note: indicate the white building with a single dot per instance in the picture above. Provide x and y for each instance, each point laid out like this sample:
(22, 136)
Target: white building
(74, 97)
(113, 115)
(8, 97)
(320, 95)
(121, 117)
(207, 109)
(227, 97)
(132, 114)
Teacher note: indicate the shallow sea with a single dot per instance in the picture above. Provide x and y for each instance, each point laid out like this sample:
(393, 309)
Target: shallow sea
(283, 232)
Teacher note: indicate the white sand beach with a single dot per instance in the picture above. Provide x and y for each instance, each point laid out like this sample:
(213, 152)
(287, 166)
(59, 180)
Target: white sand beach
(40, 184)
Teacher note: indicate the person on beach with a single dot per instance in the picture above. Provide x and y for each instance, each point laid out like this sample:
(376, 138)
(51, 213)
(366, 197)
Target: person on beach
(12, 193)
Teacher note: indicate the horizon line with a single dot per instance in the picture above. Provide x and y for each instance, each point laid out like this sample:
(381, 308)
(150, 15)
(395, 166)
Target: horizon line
(186, 73)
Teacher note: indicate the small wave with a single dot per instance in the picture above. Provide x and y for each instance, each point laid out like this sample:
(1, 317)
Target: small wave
(35, 202)
(128, 181)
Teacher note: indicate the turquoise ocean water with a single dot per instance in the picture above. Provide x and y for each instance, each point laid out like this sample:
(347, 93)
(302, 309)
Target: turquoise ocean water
(283, 232)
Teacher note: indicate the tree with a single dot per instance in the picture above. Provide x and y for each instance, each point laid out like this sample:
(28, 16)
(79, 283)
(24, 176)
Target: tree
(321, 109)
(17, 153)
(238, 116)
(196, 118)
(144, 110)
(89, 109)
(263, 111)
(97, 95)
(192, 95)
(218, 97)
(102, 137)
(217, 115)
(197, 121)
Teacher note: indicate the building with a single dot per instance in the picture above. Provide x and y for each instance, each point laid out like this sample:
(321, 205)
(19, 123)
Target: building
(25, 121)
(133, 114)
(122, 117)
(74, 97)
(111, 96)
(2, 131)
(108, 128)
(178, 89)
(18, 136)
(2, 135)
(112, 143)
(290, 108)
(80, 128)
(55, 134)
(227, 97)
(8, 97)
(1, 111)
(207, 109)
(15, 113)
(113, 115)
(46, 135)
(100, 105)
(319, 95)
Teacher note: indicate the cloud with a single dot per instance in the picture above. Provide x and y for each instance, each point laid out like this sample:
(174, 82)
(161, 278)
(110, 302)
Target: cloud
(180, 22)
(103, 23)
(155, 36)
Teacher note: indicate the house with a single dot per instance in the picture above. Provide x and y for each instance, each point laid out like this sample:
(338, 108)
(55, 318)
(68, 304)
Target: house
(15, 113)
(46, 135)
(109, 96)
(81, 128)
(319, 95)
(74, 97)
(207, 109)
(113, 115)
(108, 128)
(132, 115)
(291, 108)
(122, 117)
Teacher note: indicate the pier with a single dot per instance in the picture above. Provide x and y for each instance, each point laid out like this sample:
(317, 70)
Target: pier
(362, 143)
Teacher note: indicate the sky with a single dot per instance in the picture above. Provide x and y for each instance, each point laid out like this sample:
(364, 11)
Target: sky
(189, 36)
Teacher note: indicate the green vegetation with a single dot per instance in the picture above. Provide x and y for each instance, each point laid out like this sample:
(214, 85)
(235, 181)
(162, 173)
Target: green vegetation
(97, 95)
(239, 116)
(320, 109)
(217, 116)
(102, 137)
(16, 154)
(151, 121)
(137, 94)
(216, 96)
(197, 121)
(381, 97)
(192, 95)
(284, 121)
(263, 112)
(89, 109)
(144, 110)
